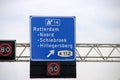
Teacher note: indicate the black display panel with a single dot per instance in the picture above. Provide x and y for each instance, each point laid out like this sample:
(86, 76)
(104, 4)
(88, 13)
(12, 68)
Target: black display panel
(7, 49)
(53, 69)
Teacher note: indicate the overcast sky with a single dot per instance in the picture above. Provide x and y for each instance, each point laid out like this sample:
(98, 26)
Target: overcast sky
(97, 21)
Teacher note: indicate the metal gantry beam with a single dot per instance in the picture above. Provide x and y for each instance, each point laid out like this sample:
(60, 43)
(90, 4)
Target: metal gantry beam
(98, 52)
(84, 52)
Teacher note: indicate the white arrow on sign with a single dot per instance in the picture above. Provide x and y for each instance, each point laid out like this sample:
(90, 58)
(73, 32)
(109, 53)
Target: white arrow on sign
(51, 53)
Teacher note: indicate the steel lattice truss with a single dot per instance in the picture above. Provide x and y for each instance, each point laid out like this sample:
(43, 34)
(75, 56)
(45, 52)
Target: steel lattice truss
(84, 52)
(98, 52)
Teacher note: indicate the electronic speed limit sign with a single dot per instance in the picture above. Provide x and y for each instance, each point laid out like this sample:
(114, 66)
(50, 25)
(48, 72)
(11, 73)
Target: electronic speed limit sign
(53, 69)
(7, 50)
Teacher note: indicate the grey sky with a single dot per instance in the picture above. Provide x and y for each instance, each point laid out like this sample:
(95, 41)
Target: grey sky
(97, 21)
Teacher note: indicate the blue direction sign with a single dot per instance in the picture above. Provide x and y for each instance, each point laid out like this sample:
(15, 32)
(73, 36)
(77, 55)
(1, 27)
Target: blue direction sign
(52, 38)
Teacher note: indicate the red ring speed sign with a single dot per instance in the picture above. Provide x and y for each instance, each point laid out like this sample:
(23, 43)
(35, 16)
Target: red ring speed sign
(53, 69)
(5, 47)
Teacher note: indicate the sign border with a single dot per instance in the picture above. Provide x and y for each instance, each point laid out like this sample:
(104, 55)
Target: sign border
(74, 18)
